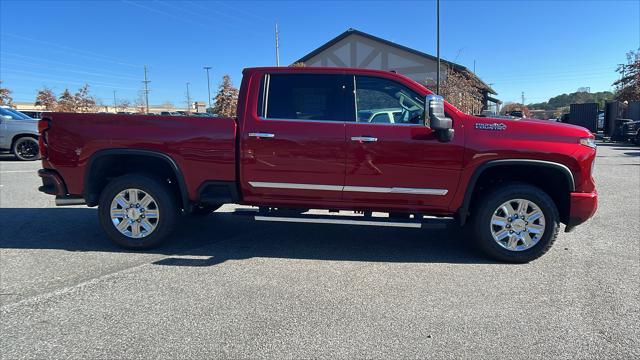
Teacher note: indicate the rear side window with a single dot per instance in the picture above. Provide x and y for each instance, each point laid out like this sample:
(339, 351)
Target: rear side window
(303, 97)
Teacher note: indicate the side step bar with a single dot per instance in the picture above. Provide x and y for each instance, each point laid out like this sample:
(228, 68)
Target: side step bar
(339, 218)
(416, 225)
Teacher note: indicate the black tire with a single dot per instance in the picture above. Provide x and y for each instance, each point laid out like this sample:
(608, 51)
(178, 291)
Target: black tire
(26, 149)
(167, 207)
(637, 138)
(488, 204)
(204, 209)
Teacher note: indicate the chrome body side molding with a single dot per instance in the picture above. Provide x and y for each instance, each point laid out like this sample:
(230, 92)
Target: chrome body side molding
(371, 189)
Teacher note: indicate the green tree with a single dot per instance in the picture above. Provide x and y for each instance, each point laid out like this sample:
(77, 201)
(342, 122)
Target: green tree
(226, 100)
(628, 86)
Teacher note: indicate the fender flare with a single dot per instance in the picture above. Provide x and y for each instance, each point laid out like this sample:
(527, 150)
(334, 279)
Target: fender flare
(138, 152)
(463, 212)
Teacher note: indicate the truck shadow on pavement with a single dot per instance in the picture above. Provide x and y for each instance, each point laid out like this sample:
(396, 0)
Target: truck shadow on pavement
(219, 237)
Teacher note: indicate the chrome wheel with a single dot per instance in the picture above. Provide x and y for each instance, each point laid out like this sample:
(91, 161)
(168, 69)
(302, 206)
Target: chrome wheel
(517, 224)
(134, 213)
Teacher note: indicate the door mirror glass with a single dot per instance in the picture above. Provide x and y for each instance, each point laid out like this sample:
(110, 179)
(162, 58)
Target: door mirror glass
(436, 119)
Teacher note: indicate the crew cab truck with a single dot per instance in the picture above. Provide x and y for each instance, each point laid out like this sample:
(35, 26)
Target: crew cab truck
(303, 139)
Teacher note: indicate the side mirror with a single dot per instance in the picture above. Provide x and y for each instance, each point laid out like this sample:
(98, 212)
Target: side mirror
(436, 119)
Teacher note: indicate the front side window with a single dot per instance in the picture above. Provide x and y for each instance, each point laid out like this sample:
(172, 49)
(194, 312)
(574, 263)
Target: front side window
(380, 100)
(303, 97)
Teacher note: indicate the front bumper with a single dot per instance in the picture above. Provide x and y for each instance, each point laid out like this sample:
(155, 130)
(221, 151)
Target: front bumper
(582, 206)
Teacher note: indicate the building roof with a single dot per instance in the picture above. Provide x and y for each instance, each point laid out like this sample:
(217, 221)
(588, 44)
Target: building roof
(352, 31)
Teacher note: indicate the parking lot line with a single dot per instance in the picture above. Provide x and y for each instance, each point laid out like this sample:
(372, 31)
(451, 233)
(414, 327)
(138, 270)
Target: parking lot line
(17, 171)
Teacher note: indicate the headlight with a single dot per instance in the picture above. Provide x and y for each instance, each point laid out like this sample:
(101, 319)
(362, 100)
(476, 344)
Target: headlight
(588, 141)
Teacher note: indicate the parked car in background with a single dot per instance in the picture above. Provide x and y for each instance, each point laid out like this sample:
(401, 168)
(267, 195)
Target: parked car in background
(171, 113)
(631, 131)
(19, 134)
(34, 114)
(600, 120)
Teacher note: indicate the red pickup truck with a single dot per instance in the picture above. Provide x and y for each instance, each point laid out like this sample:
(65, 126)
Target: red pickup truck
(355, 141)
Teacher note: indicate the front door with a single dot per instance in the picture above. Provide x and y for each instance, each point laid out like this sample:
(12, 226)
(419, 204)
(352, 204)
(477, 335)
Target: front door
(293, 147)
(393, 160)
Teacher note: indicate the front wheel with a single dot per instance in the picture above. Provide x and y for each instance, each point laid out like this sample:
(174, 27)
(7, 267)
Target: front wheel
(26, 149)
(137, 211)
(516, 223)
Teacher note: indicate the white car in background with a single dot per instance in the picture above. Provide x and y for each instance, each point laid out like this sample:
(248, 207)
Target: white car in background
(19, 134)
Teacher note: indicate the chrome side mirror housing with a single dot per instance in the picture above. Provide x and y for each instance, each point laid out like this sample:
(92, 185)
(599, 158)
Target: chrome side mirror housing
(436, 119)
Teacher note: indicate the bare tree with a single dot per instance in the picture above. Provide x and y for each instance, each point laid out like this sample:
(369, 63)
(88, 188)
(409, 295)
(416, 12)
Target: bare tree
(226, 100)
(168, 105)
(123, 105)
(461, 90)
(66, 102)
(5, 96)
(84, 102)
(47, 99)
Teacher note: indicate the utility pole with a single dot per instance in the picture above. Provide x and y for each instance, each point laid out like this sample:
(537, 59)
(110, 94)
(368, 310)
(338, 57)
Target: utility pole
(474, 66)
(188, 100)
(115, 103)
(277, 46)
(146, 90)
(207, 68)
(523, 98)
(438, 46)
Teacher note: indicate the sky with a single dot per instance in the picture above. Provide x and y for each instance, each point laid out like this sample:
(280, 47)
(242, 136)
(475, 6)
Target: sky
(541, 48)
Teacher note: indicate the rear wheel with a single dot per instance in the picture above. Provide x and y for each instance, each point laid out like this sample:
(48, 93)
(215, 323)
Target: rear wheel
(137, 211)
(26, 149)
(516, 223)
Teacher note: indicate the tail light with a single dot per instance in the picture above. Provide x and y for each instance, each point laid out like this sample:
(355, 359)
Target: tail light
(43, 127)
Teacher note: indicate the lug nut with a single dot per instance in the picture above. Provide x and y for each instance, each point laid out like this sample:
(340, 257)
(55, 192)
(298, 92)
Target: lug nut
(508, 226)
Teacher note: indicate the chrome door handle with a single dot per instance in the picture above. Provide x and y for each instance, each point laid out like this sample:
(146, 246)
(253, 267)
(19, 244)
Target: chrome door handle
(262, 135)
(364, 138)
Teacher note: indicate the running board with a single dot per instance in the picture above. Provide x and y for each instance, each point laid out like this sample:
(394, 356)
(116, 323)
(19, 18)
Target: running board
(415, 225)
(342, 219)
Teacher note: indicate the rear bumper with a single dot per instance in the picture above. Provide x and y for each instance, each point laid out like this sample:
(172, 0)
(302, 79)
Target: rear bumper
(582, 208)
(52, 183)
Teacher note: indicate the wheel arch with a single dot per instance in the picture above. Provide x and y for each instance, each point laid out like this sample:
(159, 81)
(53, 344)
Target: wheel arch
(21, 135)
(493, 171)
(97, 171)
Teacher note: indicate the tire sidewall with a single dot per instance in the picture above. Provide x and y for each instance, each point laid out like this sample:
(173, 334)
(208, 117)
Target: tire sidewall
(500, 196)
(161, 193)
(14, 150)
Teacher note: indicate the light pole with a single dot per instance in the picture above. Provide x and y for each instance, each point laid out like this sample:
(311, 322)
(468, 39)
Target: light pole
(188, 100)
(438, 45)
(207, 68)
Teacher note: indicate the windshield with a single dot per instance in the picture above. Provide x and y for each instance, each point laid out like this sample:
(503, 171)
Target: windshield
(15, 114)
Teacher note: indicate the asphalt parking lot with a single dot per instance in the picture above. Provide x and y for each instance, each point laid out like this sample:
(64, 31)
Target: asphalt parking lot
(229, 287)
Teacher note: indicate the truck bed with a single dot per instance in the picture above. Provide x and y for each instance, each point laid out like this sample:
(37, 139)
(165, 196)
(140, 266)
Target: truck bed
(202, 147)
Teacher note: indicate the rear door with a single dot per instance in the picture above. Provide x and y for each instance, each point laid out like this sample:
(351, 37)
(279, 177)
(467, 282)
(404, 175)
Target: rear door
(293, 146)
(398, 164)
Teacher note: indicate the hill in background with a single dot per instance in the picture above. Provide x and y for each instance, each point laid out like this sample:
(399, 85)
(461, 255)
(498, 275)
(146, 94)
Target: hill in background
(565, 100)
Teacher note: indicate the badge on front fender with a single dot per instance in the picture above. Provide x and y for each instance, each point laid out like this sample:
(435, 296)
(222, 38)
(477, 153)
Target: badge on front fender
(493, 126)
